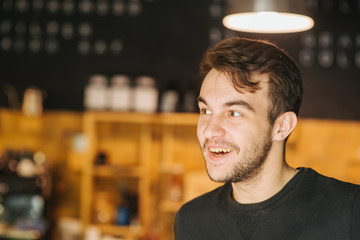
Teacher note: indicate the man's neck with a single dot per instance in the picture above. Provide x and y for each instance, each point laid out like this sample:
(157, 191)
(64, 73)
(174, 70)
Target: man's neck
(274, 175)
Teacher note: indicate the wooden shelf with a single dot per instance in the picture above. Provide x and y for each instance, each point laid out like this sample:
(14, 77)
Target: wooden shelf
(129, 152)
(120, 117)
(144, 118)
(179, 119)
(117, 171)
(129, 232)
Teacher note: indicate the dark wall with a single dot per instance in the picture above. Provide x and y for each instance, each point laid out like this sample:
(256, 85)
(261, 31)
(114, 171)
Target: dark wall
(165, 39)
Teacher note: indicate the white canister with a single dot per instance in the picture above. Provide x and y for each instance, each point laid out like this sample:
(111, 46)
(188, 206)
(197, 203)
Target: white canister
(169, 101)
(96, 93)
(145, 95)
(120, 93)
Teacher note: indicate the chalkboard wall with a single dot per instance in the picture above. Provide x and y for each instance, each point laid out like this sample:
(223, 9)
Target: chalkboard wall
(57, 45)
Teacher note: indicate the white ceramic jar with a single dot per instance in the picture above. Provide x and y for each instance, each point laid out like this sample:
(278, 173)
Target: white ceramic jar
(96, 93)
(145, 95)
(120, 93)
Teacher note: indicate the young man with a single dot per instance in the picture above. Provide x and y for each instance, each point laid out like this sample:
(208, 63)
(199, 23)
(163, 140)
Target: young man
(249, 102)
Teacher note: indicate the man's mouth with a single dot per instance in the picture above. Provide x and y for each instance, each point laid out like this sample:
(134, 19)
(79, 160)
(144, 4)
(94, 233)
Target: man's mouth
(219, 151)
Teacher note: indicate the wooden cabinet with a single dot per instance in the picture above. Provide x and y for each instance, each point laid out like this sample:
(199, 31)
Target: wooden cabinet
(146, 154)
(116, 181)
(50, 136)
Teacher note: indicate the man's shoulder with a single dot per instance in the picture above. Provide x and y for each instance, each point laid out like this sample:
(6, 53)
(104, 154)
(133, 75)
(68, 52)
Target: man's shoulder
(203, 202)
(330, 185)
(327, 180)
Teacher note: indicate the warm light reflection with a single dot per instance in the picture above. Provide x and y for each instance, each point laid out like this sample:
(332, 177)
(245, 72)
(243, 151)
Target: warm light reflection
(268, 22)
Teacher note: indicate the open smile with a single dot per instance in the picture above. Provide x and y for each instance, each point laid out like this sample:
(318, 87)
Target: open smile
(219, 151)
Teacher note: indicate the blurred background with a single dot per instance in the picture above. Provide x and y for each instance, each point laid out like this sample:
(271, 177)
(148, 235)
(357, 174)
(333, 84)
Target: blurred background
(81, 152)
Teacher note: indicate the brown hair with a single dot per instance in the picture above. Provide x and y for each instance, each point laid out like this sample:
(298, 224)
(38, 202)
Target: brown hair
(239, 58)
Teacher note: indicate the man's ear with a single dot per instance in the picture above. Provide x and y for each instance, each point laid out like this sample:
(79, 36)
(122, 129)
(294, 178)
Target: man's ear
(284, 125)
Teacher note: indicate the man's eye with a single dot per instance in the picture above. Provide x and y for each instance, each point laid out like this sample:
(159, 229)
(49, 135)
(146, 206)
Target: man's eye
(205, 111)
(234, 114)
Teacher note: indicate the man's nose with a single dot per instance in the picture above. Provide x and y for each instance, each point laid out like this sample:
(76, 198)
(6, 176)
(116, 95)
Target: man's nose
(214, 127)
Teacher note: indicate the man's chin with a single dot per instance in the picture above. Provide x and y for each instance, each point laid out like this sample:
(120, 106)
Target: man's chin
(216, 176)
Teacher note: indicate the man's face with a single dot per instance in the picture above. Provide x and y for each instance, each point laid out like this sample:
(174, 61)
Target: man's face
(233, 128)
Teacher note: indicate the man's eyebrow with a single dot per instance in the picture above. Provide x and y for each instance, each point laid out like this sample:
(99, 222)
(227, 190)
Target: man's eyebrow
(200, 99)
(240, 103)
(230, 103)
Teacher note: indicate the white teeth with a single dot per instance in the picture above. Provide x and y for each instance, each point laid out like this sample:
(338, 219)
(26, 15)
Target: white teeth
(217, 150)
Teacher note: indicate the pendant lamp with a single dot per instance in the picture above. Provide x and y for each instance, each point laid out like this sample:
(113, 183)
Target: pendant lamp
(267, 16)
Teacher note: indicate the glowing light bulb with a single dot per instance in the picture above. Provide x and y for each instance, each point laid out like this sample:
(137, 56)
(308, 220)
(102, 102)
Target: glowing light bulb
(268, 22)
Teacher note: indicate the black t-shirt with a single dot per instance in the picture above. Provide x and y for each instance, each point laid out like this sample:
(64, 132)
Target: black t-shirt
(309, 207)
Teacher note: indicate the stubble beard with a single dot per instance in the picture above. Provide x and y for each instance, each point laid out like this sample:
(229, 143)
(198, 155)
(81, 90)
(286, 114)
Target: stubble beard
(248, 165)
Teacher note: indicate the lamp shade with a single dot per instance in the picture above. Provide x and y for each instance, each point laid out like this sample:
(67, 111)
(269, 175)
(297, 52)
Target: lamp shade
(267, 16)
